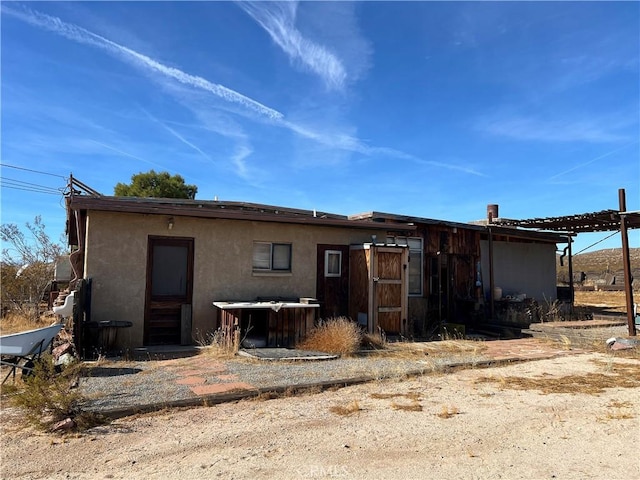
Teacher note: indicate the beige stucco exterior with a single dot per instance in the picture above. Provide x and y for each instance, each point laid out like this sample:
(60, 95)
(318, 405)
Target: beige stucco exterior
(116, 263)
(521, 268)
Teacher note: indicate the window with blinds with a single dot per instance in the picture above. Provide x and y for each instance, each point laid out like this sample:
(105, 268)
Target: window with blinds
(271, 257)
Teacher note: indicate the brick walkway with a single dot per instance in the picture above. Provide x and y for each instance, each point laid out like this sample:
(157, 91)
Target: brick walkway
(121, 388)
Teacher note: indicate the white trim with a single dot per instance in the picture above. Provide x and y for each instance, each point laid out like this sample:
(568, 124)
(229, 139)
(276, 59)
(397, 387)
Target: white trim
(328, 253)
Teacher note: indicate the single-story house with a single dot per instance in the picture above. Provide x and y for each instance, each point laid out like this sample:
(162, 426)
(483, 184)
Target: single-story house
(160, 264)
(176, 270)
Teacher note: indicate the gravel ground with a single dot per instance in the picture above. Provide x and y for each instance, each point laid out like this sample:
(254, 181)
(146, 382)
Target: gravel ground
(117, 385)
(495, 423)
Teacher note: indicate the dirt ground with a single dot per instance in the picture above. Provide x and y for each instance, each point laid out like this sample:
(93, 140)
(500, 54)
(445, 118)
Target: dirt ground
(610, 300)
(533, 420)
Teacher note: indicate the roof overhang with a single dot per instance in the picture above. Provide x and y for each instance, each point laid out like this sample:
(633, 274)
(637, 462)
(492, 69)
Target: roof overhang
(392, 217)
(222, 210)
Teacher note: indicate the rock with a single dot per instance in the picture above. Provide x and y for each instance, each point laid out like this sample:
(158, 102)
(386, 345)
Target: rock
(65, 359)
(61, 350)
(618, 343)
(64, 425)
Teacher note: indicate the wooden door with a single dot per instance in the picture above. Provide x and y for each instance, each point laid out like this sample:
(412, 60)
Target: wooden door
(389, 299)
(332, 280)
(169, 288)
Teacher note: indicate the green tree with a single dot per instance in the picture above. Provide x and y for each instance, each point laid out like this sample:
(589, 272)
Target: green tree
(157, 185)
(27, 266)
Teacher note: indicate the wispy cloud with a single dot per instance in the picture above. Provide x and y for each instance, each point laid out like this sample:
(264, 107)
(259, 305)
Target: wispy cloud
(239, 160)
(189, 89)
(124, 154)
(175, 134)
(278, 20)
(80, 35)
(518, 127)
(354, 144)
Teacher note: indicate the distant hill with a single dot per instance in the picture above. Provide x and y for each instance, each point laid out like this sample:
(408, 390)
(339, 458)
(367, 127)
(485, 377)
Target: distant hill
(600, 264)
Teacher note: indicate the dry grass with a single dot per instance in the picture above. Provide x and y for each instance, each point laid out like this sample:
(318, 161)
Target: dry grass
(448, 412)
(15, 323)
(372, 341)
(218, 344)
(407, 407)
(345, 410)
(415, 396)
(613, 301)
(618, 411)
(339, 336)
(619, 375)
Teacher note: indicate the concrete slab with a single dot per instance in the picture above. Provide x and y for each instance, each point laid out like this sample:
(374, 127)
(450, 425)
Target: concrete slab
(282, 354)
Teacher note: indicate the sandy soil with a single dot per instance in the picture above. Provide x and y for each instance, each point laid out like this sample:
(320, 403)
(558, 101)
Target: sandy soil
(467, 424)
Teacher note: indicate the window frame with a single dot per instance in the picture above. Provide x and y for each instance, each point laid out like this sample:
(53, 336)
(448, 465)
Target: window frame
(327, 254)
(271, 269)
(413, 252)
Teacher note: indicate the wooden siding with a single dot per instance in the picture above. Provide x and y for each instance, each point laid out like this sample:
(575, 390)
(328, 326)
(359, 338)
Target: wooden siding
(289, 326)
(285, 328)
(358, 282)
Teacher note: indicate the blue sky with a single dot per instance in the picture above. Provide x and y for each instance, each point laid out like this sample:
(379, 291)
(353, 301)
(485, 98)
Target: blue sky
(433, 109)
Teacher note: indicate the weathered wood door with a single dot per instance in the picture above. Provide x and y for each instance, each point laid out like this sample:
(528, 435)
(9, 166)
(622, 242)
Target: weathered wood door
(332, 280)
(389, 289)
(378, 287)
(169, 288)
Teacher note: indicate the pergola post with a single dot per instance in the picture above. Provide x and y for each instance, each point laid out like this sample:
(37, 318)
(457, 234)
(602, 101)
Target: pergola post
(626, 261)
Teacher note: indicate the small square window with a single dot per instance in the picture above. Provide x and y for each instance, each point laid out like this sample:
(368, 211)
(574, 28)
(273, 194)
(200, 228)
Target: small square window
(332, 263)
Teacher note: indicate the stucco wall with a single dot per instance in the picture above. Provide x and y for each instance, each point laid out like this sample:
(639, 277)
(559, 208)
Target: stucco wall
(528, 268)
(116, 261)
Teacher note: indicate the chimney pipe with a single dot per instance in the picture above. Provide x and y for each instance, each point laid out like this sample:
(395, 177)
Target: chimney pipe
(492, 212)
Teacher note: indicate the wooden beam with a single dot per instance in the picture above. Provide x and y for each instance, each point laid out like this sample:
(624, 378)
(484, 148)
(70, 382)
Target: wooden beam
(626, 261)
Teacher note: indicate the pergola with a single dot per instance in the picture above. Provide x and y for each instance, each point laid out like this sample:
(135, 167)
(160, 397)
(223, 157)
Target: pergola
(603, 221)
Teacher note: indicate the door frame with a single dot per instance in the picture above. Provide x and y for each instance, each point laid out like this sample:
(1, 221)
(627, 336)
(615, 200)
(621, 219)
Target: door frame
(158, 240)
(376, 281)
(339, 285)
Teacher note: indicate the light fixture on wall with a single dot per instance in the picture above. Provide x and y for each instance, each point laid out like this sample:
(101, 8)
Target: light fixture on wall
(170, 223)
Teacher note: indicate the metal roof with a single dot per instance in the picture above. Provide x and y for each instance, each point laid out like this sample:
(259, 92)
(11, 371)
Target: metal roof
(220, 209)
(482, 227)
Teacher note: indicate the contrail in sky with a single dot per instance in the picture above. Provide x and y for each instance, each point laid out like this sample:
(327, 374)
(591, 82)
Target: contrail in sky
(604, 155)
(316, 58)
(80, 35)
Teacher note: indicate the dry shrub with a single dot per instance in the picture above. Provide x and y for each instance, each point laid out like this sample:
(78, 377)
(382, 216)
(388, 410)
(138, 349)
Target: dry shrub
(371, 341)
(47, 397)
(339, 336)
(347, 409)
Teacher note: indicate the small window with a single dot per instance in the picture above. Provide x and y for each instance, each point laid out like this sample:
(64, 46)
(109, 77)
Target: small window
(332, 263)
(271, 257)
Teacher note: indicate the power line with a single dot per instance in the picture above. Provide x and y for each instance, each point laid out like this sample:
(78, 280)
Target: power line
(30, 170)
(20, 183)
(599, 241)
(32, 190)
